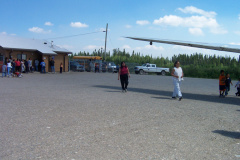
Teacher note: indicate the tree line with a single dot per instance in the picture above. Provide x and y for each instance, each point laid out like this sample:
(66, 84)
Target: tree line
(194, 65)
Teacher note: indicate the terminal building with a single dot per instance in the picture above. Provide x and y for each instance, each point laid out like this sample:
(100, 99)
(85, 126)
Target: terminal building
(12, 47)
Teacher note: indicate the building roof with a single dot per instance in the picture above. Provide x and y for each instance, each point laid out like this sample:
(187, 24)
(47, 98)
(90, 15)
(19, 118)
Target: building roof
(87, 57)
(43, 46)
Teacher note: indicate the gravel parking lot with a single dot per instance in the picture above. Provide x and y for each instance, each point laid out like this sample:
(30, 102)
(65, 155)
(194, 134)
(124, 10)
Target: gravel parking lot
(85, 116)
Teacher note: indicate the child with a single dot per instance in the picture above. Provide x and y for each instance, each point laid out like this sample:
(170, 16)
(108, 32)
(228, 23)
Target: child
(17, 74)
(222, 83)
(238, 88)
(228, 82)
(61, 67)
(4, 70)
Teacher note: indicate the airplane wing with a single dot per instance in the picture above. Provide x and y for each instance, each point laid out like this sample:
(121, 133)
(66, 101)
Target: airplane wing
(190, 44)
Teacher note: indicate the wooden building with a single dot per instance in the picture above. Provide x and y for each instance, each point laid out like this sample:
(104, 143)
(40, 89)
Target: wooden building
(23, 49)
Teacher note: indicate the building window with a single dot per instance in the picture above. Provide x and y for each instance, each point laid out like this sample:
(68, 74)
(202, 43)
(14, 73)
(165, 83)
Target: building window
(1, 57)
(22, 56)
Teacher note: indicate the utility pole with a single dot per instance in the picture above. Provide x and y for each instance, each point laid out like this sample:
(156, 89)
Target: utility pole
(105, 43)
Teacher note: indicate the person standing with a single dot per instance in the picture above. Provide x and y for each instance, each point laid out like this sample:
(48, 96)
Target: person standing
(9, 66)
(52, 65)
(238, 88)
(123, 74)
(222, 84)
(17, 63)
(29, 65)
(26, 66)
(43, 64)
(61, 67)
(177, 74)
(4, 69)
(22, 66)
(13, 66)
(36, 64)
(228, 82)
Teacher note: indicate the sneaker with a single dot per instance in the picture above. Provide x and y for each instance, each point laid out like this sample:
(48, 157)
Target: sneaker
(125, 90)
(180, 98)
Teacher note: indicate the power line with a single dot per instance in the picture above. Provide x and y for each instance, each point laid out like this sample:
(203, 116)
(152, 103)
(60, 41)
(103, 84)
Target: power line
(75, 35)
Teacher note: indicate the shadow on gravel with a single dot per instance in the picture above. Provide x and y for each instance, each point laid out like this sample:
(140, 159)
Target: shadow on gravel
(162, 98)
(235, 135)
(191, 96)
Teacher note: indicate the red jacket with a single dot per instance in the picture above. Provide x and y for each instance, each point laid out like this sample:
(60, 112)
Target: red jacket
(18, 63)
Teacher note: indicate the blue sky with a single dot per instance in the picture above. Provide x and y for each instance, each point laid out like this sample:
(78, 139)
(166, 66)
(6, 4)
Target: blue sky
(205, 21)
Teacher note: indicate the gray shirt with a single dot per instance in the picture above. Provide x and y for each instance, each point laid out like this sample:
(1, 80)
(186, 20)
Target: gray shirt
(4, 68)
(30, 63)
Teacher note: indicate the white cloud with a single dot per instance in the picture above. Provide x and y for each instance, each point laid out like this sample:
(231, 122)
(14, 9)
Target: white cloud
(193, 10)
(4, 33)
(142, 22)
(66, 46)
(233, 43)
(78, 25)
(196, 31)
(126, 47)
(48, 24)
(218, 30)
(92, 47)
(160, 48)
(237, 32)
(102, 30)
(191, 22)
(38, 30)
(128, 26)
(150, 47)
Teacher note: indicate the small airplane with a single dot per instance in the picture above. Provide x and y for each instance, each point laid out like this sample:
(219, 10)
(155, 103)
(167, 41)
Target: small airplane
(190, 44)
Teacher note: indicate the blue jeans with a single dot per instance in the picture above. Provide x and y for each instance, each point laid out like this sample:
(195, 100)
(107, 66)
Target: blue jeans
(36, 67)
(52, 68)
(43, 69)
(13, 69)
(8, 70)
(4, 73)
(227, 90)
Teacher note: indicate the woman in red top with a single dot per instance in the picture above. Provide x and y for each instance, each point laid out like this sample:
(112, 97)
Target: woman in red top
(123, 74)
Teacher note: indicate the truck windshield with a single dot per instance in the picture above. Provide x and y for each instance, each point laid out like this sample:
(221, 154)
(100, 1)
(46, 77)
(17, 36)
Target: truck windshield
(144, 65)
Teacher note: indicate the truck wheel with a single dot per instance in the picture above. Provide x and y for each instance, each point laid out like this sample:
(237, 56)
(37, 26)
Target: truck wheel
(163, 73)
(136, 72)
(141, 72)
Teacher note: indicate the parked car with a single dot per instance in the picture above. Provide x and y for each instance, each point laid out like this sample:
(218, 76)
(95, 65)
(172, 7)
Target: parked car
(111, 66)
(150, 68)
(75, 66)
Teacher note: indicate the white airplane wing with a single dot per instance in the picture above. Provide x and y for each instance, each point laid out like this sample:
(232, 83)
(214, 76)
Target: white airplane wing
(190, 44)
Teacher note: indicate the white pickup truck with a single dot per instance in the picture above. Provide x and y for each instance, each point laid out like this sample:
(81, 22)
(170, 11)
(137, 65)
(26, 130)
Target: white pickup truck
(150, 68)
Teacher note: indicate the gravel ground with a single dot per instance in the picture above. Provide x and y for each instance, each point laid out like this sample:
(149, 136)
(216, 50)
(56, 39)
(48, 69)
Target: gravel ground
(85, 116)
